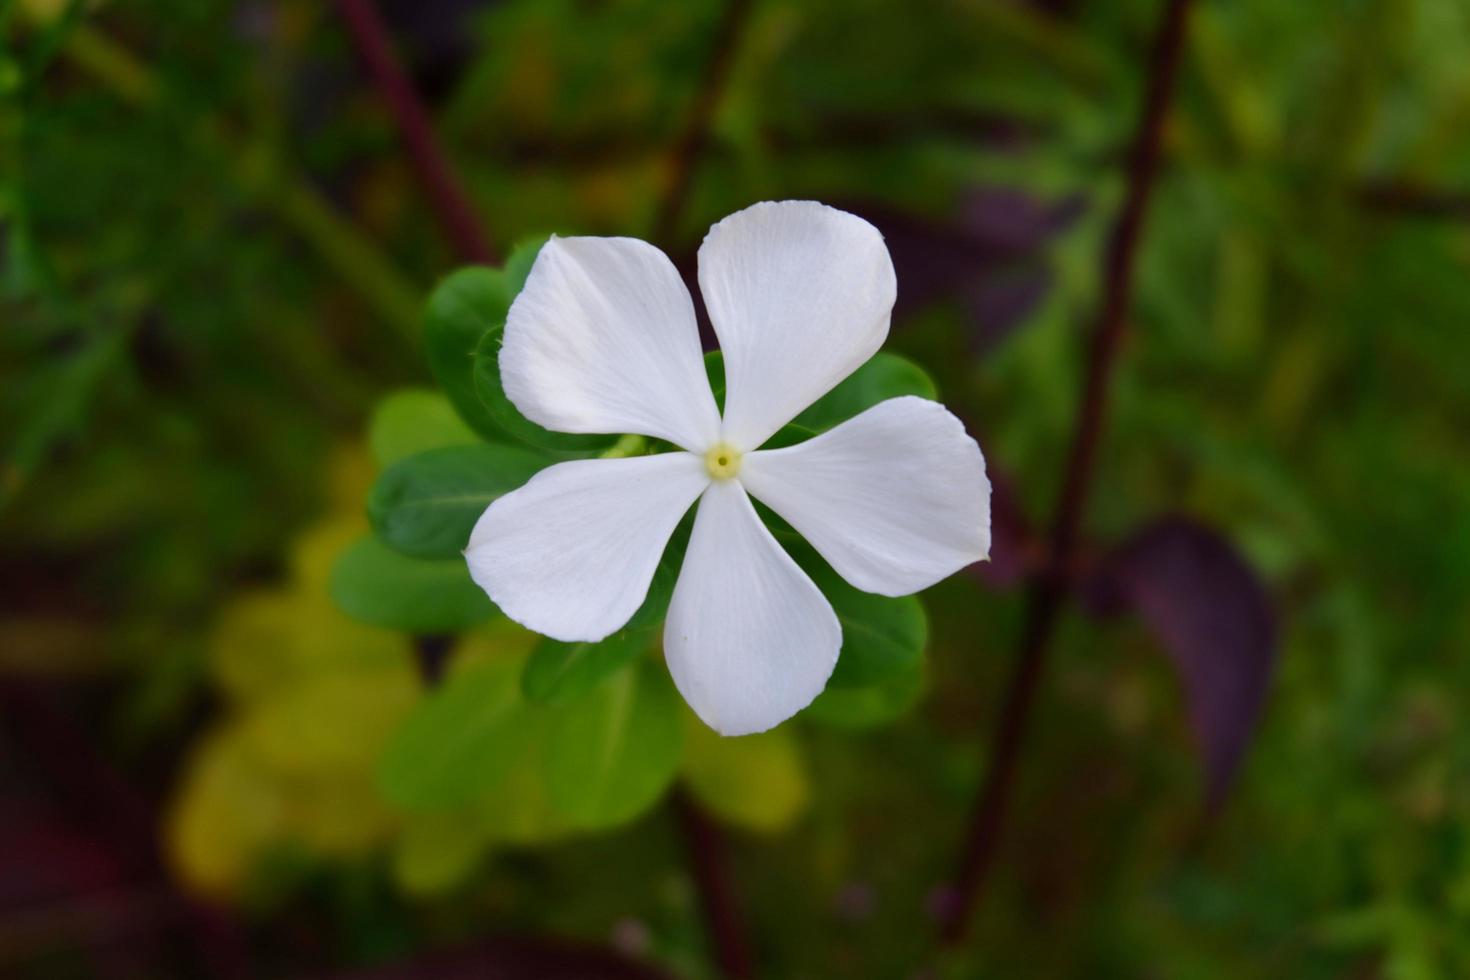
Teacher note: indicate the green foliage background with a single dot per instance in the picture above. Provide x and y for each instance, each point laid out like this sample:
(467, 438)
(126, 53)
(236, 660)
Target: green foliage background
(215, 261)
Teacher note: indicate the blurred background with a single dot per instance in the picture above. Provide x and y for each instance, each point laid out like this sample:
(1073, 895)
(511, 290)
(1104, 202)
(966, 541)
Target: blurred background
(215, 254)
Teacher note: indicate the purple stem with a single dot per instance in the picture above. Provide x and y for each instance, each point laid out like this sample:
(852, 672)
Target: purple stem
(446, 194)
(1050, 585)
(460, 225)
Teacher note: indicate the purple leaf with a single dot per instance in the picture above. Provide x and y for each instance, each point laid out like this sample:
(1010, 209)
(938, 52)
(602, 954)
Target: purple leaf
(989, 253)
(1000, 303)
(1012, 222)
(1209, 611)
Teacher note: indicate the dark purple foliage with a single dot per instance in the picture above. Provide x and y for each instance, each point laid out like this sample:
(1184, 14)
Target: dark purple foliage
(1000, 303)
(988, 254)
(1209, 611)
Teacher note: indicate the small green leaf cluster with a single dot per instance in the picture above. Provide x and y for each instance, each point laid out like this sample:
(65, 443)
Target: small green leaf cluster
(575, 736)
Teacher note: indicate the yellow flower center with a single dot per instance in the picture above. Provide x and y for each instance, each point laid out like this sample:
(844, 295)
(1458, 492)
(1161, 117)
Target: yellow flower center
(722, 461)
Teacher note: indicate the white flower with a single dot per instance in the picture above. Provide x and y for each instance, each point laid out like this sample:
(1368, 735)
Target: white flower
(602, 339)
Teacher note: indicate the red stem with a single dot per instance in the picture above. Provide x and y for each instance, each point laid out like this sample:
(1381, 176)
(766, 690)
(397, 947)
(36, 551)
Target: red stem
(1407, 198)
(460, 225)
(690, 145)
(446, 195)
(1049, 586)
(721, 911)
(705, 842)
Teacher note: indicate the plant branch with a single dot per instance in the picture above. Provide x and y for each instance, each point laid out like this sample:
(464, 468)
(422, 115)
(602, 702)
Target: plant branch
(446, 195)
(433, 656)
(1050, 585)
(458, 221)
(703, 838)
(1402, 197)
(722, 918)
(694, 137)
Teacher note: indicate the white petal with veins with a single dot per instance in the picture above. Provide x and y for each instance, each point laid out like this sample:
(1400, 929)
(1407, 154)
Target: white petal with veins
(800, 295)
(571, 554)
(603, 339)
(895, 498)
(750, 640)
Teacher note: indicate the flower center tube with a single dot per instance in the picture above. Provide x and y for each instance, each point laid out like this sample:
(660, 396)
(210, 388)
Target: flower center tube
(722, 460)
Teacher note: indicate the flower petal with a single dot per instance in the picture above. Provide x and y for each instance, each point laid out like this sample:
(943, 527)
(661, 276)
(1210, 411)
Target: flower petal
(799, 294)
(896, 498)
(603, 339)
(571, 553)
(750, 639)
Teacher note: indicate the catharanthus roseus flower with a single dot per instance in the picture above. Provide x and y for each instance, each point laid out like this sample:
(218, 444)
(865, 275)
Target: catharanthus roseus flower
(603, 339)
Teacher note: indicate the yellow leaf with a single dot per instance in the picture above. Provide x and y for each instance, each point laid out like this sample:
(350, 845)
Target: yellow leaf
(756, 781)
(252, 644)
(227, 812)
(350, 472)
(315, 552)
(336, 814)
(336, 722)
(264, 641)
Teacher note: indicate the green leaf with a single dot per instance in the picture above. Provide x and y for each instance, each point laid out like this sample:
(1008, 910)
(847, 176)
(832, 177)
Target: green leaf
(714, 370)
(856, 708)
(656, 606)
(492, 396)
(414, 420)
(881, 636)
(462, 309)
(517, 809)
(377, 585)
(425, 506)
(461, 740)
(788, 435)
(884, 376)
(757, 781)
(610, 755)
(558, 671)
(518, 264)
